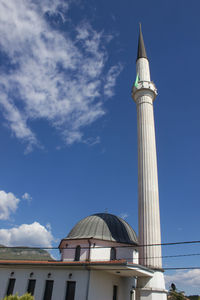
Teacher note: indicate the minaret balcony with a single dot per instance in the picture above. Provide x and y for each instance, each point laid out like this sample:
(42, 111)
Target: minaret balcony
(144, 87)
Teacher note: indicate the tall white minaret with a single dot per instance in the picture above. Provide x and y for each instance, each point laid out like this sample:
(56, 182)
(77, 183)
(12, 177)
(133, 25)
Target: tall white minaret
(144, 93)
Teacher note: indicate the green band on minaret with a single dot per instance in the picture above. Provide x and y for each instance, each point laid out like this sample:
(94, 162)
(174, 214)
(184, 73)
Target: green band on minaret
(137, 80)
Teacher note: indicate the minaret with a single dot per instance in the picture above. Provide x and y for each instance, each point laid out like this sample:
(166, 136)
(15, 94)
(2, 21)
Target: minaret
(144, 94)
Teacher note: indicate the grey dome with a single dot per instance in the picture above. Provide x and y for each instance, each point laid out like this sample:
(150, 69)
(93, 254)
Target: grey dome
(105, 227)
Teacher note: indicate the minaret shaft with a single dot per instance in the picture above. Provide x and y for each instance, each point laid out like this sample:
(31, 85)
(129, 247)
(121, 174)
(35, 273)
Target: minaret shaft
(148, 196)
(144, 93)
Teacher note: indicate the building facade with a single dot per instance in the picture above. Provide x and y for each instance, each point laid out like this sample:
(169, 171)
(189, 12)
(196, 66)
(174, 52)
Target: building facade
(99, 260)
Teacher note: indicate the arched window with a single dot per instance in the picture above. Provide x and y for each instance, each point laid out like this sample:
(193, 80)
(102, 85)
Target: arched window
(112, 253)
(77, 253)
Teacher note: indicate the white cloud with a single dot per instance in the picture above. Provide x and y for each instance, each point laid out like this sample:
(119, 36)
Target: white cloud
(32, 235)
(92, 141)
(111, 80)
(27, 197)
(189, 279)
(8, 204)
(50, 75)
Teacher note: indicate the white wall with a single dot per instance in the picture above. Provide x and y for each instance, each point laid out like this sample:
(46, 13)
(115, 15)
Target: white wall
(59, 276)
(68, 253)
(152, 288)
(100, 287)
(99, 250)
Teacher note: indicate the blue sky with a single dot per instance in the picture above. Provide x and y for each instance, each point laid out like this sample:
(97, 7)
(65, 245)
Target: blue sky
(68, 123)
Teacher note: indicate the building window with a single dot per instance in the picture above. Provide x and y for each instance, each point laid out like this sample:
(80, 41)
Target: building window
(114, 292)
(48, 290)
(112, 253)
(31, 286)
(11, 285)
(70, 292)
(77, 253)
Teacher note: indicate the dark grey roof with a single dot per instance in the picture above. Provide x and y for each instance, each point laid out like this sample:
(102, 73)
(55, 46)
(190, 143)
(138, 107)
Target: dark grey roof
(141, 48)
(104, 226)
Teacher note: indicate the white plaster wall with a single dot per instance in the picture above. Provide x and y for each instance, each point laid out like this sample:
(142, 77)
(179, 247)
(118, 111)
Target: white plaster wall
(130, 254)
(99, 251)
(60, 278)
(68, 253)
(151, 295)
(155, 282)
(152, 288)
(101, 286)
(122, 251)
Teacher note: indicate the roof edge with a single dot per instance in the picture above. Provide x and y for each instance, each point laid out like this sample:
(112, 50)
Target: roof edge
(93, 238)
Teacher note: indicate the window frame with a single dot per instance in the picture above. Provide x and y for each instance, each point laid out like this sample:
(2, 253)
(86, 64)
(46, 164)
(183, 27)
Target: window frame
(46, 292)
(30, 289)
(115, 292)
(11, 285)
(113, 253)
(77, 254)
(67, 295)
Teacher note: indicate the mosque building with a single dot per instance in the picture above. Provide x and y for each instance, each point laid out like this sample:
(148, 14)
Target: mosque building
(101, 257)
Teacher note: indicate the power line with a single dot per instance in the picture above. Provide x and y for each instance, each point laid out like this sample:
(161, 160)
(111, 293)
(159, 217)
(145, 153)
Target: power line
(99, 247)
(126, 258)
(164, 256)
(180, 255)
(182, 268)
(165, 269)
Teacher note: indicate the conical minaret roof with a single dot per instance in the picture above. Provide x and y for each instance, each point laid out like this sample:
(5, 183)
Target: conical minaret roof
(141, 48)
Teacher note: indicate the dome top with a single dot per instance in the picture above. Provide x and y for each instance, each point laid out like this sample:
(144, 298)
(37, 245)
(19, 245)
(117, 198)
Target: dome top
(105, 227)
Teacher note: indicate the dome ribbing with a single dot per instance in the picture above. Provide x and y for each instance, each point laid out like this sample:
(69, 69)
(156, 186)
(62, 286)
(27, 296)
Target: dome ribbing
(104, 226)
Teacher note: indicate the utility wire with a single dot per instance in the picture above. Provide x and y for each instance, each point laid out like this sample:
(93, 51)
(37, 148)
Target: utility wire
(151, 257)
(99, 247)
(165, 269)
(182, 268)
(126, 258)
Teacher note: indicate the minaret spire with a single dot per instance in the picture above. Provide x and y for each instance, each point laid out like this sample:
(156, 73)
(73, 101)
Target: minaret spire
(141, 47)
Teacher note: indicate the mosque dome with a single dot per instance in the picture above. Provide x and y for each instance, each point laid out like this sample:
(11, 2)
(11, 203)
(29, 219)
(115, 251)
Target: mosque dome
(105, 227)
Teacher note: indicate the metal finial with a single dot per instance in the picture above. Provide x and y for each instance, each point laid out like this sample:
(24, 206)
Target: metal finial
(141, 48)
